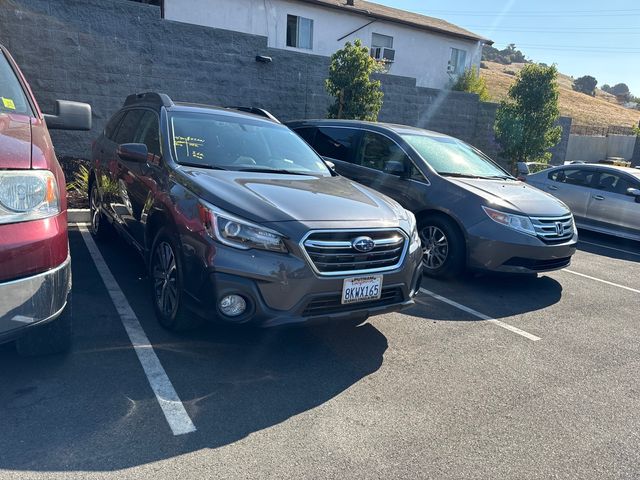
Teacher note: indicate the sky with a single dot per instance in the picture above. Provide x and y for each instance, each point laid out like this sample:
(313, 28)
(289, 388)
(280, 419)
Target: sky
(601, 39)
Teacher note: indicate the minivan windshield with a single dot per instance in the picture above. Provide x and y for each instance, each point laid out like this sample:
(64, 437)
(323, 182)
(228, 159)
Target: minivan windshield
(12, 97)
(240, 143)
(451, 157)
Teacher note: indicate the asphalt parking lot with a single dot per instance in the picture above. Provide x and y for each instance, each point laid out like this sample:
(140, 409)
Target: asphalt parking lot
(486, 377)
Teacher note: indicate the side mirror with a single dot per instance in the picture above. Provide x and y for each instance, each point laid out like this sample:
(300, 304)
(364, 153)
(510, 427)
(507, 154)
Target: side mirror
(134, 152)
(634, 192)
(69, 116)
(394, 168)
(329, 163)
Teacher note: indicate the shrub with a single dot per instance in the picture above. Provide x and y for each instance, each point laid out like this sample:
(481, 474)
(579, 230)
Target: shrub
(525, 122)
(357, 97)
(586, 84)
(471, 81)
(80, 182)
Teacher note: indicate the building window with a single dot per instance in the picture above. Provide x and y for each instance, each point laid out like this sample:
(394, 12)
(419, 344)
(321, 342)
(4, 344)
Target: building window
(382, 47)
(299, 32)
(458, 61)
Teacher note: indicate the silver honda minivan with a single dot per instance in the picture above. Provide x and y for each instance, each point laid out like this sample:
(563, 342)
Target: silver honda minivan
(471, 213)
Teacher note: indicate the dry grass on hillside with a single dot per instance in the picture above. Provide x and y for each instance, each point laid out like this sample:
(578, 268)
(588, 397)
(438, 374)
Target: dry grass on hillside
(585, 110)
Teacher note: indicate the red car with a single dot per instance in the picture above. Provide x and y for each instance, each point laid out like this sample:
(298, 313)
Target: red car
(35, 266)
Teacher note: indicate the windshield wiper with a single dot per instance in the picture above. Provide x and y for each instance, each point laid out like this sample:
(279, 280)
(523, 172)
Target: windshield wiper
(273, 170)
(202, 165)
(482, 177)
(501, 177)
(459, 175)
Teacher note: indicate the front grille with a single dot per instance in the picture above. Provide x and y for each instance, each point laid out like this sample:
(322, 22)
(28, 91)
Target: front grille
(539, 265)
(328, 304)
(547, 228)
(332, 252)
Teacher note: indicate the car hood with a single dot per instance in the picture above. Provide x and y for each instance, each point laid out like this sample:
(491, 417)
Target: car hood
(15, 141)
(268, 198)
(514, 195)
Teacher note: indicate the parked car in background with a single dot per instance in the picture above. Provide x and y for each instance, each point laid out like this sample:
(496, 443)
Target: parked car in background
(603, 198)
(470, 212)
(35, 266)
(241, 222)
(525, 168)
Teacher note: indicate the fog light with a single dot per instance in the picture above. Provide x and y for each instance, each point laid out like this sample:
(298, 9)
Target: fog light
(233, 305)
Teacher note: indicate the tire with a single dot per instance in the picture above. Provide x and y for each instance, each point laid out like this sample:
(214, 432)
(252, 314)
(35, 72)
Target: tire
(443, 247)
(99, 226)
(167, 294)
(52, 337)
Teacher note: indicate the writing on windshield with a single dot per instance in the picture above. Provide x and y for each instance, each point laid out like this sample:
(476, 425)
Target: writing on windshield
(240, 143)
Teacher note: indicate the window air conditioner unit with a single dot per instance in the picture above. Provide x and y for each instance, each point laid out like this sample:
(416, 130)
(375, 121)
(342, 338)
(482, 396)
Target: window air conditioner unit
(451, 68)
(384, 54)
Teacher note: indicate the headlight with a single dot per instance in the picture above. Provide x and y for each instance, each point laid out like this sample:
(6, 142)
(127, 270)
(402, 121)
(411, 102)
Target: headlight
(27, 195)
(516, 222)
(238, 233)
(413, 232)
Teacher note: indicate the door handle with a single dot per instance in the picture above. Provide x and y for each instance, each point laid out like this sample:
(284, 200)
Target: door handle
(552, 187)
(598, 197)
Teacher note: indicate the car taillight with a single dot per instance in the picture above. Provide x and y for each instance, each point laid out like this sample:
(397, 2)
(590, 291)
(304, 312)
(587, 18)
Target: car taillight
(28, 195)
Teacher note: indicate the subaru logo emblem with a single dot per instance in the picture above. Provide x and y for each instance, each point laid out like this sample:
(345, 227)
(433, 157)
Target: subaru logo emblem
(363, 244)
(559, 229)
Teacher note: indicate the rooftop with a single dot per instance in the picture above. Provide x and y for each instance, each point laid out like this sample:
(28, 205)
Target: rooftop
(389, 14)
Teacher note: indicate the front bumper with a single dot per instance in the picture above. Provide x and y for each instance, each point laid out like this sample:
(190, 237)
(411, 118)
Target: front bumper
(283, 289)
(496, 248)
(33, 300)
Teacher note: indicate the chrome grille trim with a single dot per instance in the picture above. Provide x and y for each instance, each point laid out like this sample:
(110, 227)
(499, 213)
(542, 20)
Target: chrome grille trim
(545, 228)
(325, 254)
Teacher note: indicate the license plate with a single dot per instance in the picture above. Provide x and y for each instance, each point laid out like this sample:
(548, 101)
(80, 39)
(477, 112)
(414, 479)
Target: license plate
(361, 289)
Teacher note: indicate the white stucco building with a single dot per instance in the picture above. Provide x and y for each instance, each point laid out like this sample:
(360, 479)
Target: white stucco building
(428, 49)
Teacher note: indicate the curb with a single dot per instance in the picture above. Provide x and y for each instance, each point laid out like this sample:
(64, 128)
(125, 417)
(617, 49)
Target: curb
(78, 215)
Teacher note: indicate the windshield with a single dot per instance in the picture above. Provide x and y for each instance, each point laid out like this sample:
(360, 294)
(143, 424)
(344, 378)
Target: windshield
(12, 97)
(451, 157)
(240, 143)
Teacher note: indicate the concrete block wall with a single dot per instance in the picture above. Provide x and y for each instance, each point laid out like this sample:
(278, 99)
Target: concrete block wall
(593, 148)
(100, 51)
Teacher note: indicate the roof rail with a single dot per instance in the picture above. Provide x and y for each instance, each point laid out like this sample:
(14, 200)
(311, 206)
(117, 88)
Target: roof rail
(256, 111)
(149, 98)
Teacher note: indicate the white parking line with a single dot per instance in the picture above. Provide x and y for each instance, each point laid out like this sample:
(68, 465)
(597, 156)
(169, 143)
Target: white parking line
(173, 409)
(629, 252)
(601, 281)
(481, 316)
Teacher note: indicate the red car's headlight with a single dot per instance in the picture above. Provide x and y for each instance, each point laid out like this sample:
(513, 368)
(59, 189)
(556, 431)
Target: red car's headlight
(28, 195)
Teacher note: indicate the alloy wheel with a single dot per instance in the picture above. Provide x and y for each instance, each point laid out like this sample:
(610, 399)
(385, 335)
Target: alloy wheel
(165, 279)
(435, 247)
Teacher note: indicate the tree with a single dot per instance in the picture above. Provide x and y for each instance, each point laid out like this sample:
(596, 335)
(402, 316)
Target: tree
(525, 122)
(471, 81)
(586, 84)
(357, 97)
(606, 88)
(621, 91)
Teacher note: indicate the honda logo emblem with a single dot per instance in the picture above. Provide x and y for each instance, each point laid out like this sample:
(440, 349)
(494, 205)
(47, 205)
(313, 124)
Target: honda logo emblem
(559, 229)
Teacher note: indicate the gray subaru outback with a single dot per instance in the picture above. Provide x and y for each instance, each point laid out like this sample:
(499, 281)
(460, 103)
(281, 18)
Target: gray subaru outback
(241, 221)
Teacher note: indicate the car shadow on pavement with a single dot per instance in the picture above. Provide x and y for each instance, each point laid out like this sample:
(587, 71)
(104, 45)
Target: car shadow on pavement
(494, 295)
(609, 246)
(93, 409)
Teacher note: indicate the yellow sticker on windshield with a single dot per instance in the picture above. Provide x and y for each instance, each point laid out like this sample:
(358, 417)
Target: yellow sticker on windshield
(8, 103)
